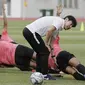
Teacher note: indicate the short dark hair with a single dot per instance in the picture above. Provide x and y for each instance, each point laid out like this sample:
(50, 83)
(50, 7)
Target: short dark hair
(74, 21)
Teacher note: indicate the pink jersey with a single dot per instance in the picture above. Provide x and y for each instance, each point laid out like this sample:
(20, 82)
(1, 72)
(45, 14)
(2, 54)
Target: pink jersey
(56, 50)
(5, 36)
(7, 53)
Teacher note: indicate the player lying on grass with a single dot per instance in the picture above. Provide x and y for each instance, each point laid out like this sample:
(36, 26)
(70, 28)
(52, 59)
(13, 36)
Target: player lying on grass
(12, 53)
(67, 62)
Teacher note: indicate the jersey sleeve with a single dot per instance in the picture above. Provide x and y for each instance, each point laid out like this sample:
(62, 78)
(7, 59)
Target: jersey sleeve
(57, 23)
(5, 36)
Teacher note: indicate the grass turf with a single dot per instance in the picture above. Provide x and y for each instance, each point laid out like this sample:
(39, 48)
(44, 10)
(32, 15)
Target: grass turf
(72, 41)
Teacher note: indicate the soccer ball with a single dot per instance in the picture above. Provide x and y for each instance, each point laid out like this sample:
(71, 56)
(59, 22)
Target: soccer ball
(37, 78)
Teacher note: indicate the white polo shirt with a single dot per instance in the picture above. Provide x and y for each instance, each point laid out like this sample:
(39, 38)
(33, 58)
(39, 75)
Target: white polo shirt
(42, 25)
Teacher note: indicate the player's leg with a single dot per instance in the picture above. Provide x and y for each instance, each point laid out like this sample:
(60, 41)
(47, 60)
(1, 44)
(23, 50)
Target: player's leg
(63, 62)
(75, 63)
(69, 70)
(34, 56)
(23, 55)
(74, 73)
(33, 64)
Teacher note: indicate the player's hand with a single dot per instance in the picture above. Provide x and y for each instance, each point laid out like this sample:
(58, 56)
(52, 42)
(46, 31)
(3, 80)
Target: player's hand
(3, 1)
(59, 9)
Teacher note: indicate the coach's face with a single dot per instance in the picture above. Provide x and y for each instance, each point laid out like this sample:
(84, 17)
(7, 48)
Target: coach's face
(68, 24)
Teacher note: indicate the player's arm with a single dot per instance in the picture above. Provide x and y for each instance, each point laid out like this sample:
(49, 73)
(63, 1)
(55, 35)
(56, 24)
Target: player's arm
(4, 15)
(49, 35)
(5, 35)
(59, 10)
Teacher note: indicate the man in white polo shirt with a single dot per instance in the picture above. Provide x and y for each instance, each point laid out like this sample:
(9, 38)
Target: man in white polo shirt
(46, 26)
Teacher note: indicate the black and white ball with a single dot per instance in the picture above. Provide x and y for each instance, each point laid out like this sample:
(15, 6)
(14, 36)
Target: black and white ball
(37, 78)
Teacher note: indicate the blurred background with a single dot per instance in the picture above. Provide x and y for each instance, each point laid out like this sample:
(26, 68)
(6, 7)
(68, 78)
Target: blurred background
(37, 8)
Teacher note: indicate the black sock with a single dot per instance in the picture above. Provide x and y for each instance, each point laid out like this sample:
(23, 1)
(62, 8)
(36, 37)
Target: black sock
(78, 76)
(81, 68)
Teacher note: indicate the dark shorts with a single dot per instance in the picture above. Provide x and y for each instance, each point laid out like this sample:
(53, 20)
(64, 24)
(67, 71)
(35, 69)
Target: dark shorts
(63, 58)
(23, 55)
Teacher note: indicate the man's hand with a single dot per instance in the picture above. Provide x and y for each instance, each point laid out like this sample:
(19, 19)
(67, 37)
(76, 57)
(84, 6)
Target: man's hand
(59, 9)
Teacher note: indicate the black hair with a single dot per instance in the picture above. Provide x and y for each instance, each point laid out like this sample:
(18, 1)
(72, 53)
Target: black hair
(71, 18)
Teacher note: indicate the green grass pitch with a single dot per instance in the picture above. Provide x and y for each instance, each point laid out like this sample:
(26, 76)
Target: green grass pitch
(72, 41)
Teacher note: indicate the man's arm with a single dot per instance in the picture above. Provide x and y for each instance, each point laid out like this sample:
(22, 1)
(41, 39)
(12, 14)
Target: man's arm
(4, 15)
(59, 11)
(49, 35)
(5, 35)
